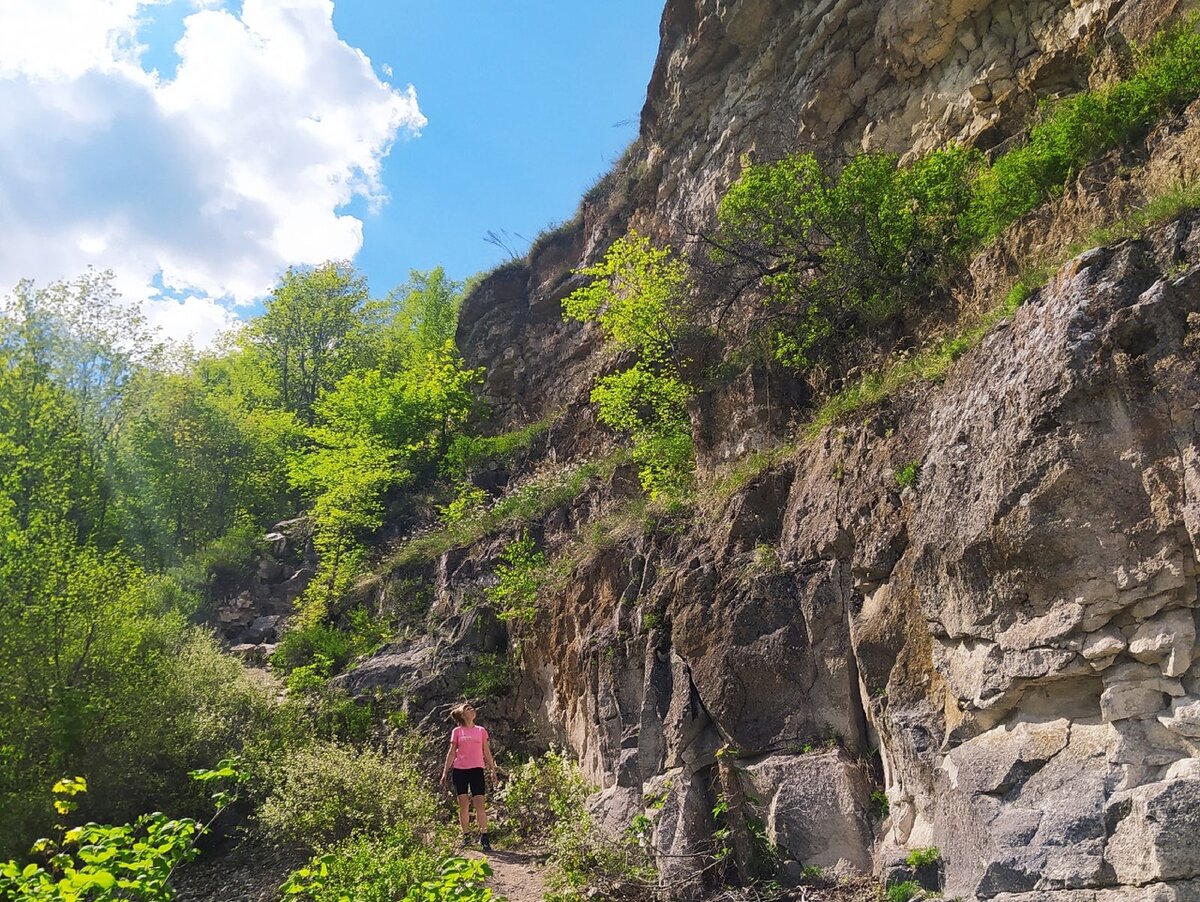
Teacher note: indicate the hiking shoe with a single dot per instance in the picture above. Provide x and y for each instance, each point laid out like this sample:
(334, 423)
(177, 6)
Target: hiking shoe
(485, 843)
(466, 842)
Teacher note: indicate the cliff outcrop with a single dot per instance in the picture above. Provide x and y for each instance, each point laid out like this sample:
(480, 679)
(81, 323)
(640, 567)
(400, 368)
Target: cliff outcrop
(966, 622)
(1013, 633)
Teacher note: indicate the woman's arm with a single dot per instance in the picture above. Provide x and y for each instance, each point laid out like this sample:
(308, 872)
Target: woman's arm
(449, 761)
(487, 756)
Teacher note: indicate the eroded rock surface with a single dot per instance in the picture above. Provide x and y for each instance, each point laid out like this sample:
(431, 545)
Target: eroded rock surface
(1015, 633)
(1005, 650)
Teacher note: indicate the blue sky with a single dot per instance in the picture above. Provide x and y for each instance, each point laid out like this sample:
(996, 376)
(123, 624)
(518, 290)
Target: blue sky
(527, 104)
(197, 148)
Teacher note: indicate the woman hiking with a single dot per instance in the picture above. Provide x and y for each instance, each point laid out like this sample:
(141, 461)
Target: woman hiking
(469, 752)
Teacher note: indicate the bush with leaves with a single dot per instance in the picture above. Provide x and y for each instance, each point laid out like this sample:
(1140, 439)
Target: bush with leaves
(587, 864)
(637, 295)
(468, 500)
(467, 453)
(839, 253)
(326, 791)
(542, 804)
(459, 878)
(96, 862)
(368, 867)
(520, 576)
(541, 793)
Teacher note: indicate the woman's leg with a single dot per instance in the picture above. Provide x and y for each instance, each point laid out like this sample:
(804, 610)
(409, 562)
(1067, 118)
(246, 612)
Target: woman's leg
(481, 813)
(464, 813)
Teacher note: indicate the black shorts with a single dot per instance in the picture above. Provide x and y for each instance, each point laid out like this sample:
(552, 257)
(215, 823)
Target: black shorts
(470, 780)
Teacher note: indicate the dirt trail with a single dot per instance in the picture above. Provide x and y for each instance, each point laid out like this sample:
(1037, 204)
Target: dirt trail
(516, 876)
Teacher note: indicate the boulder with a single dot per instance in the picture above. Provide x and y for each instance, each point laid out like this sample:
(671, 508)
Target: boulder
(1156, 831)
(814, 806)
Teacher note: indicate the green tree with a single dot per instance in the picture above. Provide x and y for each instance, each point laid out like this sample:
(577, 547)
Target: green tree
(637, 294)
(421, 317)
(311, 333)
(382, 426)
(196, 460)
(94, 648)
(83, 339)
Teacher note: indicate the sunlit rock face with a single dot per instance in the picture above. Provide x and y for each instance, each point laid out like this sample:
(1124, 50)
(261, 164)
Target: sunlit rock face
(1014, 632)
(758, 79)
(1004, 649)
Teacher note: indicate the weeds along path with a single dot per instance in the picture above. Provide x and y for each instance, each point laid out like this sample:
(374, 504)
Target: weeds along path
(516, 876)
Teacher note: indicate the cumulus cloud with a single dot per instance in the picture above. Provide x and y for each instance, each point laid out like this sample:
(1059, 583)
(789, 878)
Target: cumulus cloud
(207, 183)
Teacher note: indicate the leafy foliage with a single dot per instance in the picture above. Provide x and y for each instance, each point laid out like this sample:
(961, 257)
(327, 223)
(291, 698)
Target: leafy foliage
(541, 793)
(324, 792)
(542, 804)
(520, 575)
(636, 295)
(492, 674)
(919, 858)
(95, 862)
(468, 500)
(839, 254)
(378, 427)
(908, 474)
(311, 334)
(459, 878)
(366, 867)
(99, 658)
(903, 891)
(468, 452)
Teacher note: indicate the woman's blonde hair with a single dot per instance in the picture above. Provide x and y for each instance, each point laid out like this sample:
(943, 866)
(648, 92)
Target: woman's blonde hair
(456, 713)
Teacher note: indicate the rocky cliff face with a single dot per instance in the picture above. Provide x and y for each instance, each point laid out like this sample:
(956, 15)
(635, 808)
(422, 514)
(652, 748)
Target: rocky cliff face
(1004, 645)
(758, 79)
(1014, 632)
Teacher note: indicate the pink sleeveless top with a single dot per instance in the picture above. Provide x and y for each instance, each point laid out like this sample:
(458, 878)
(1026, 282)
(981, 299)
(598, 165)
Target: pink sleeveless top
(468, 747)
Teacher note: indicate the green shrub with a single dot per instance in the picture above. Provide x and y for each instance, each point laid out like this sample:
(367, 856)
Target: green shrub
(637, 294)
(368, 867)
(468, 499)
(586, 864)
(880, 806)
(468, 452)
(163, 700)
(491, 676)
(318, 645)
(234, 552)
(97, 862)
(326, 791)
(540, 794)
(459, 879)
(838, 254)
(335, 715)
(521, 573)
(908, 474)
(919, 858)
(902, 892)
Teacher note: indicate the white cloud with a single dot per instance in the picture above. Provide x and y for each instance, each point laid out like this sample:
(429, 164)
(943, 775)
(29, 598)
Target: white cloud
(211, 181)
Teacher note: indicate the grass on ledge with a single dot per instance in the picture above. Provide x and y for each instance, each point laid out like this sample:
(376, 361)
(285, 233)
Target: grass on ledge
(532, 500)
